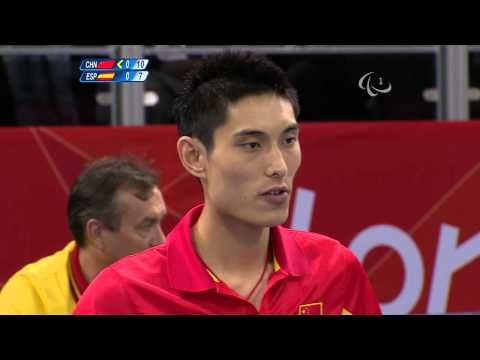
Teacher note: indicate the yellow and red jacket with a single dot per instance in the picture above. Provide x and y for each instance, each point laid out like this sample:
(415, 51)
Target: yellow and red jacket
(51, 285)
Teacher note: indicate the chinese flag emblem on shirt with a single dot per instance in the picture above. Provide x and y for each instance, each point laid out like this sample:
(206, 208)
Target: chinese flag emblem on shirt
(311, 309)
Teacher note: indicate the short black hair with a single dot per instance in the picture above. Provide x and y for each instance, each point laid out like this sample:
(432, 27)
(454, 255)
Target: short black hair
(93, 193)
(220, 80)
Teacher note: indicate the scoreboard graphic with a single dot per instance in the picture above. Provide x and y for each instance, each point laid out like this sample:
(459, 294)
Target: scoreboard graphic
(112, 70)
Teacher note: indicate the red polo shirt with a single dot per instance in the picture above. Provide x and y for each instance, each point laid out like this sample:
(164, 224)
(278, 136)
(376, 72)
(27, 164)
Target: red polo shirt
(313, 274)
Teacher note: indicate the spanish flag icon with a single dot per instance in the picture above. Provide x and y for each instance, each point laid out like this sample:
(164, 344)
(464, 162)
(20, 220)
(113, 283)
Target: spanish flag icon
(106, 76)
(311, 309)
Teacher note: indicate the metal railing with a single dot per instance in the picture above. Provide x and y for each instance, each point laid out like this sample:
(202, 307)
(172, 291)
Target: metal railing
(127, 99)
(107, 50)
(166, 50)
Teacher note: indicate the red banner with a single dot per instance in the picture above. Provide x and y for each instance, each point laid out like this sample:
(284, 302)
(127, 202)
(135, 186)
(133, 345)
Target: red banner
(404, 196)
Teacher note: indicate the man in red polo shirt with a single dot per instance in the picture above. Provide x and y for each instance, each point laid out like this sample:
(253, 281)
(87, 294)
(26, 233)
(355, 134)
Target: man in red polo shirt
(239, 136)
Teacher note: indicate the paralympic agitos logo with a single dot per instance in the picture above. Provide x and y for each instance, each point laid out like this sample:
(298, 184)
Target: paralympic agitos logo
(366, 83)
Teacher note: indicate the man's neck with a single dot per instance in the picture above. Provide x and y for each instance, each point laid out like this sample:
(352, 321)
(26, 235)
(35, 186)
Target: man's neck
(229, 246)
(89, 265)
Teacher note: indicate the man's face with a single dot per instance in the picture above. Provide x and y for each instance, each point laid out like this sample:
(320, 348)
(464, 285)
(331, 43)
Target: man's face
(140, 224)
(255, 156)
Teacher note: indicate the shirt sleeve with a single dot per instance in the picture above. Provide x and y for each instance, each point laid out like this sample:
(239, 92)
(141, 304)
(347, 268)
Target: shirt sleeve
(360, 298)
(20, 297)
(106, 295)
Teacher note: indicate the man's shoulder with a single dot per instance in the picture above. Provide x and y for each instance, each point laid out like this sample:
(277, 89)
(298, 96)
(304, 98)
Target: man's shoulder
(40, 287)
(112, 290)
(322, 248)
(314, 241)
(48, 266)
(145, 263)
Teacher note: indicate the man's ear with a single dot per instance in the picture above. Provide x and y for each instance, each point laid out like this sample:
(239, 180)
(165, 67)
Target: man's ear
(94, 234)
(193, 155)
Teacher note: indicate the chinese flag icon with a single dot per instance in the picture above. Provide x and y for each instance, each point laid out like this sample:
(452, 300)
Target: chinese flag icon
(311, 309)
